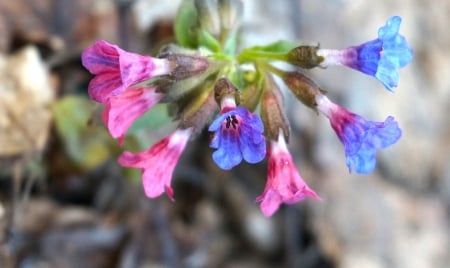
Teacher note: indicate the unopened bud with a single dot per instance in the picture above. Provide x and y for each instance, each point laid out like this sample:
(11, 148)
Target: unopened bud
(305, 57)
(225, 89)
(251, 90)
(230, 12)
(272, 111)
(303, 87)
(208, 16)
(184, 66)
(198, 111)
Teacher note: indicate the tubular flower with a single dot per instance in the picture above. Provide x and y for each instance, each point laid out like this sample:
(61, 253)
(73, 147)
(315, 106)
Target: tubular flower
(284, 183)
(206, 70)
(158, 162)
(361, 138)
(115, 69)
(238, 134)
(380, 57)
(122, 110)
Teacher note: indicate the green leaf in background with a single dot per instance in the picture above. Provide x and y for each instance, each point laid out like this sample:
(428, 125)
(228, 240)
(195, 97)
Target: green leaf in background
(205, 39)
(230, 46)
(154, 118)
(86, 145)
(185, 24)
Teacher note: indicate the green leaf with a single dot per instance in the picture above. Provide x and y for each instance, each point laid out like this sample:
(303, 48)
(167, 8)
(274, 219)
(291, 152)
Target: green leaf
(155, 118)
(86, 146)
(185, 25)
(230, 46)
(205, 39)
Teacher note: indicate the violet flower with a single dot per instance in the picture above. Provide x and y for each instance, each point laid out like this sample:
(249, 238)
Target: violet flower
(361, 137)
(238, 134)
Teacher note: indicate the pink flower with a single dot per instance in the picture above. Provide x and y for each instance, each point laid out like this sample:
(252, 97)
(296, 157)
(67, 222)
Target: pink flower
(284, 184)
(115, 69)
(158, 162)
(122, 110)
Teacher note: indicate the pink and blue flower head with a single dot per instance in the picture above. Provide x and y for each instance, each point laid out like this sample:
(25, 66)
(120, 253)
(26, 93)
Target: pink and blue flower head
(115, 69)
(361, 137)
(380, 57)
(195, 78)
(238, 134)
(284, 183)
(158, 162)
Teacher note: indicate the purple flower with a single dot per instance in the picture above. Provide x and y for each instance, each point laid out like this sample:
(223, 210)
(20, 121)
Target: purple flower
(158, 162)
(115, 69)
(122, 110)
(284, 183)
(380, 57)
(238, 134)
(361, 137)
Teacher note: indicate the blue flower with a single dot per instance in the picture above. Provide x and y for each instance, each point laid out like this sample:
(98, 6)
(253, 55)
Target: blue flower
(238, 134)
(383, 56)
(380, 57)
(362, 138)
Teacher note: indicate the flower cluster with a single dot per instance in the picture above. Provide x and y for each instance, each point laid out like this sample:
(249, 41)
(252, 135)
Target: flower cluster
(204, 79)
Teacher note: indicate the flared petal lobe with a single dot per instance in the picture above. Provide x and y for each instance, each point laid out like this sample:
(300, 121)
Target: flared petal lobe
(284, 183)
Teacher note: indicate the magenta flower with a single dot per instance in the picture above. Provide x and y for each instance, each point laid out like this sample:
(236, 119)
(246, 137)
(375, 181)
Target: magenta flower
(361, 138)
(238, 134)
(122, 110)
(158, 162)
(115, 69)
(284, 183)
(380, 57)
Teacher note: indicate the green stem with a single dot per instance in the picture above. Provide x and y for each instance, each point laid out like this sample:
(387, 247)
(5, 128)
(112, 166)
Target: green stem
(269, 67)
(248, 55)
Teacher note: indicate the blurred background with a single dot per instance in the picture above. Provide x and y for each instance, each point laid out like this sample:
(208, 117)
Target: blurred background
(65, 202)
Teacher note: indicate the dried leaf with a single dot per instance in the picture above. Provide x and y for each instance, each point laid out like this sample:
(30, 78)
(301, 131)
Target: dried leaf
(25, 94)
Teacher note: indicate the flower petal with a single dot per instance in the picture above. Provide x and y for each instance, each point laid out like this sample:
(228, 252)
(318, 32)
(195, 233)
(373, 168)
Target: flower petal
(158, 162)
(238, 134)
(122, 110)
(228, 154)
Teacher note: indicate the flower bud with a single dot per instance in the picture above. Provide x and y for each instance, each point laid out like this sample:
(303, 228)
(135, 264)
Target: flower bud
(184, 66)
(230, 12)
(272, 112)
(174, 90)
(208, 16)
(189, 70)
(305, 57)
(303, 87)
(198, 111)
(224, 89)
(252, 89)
